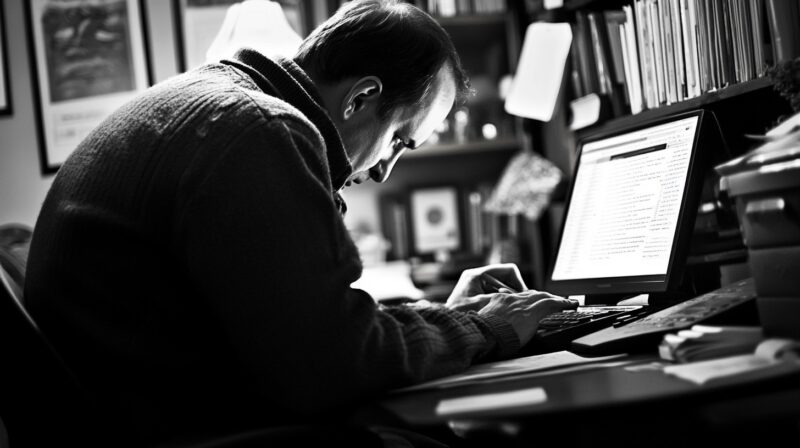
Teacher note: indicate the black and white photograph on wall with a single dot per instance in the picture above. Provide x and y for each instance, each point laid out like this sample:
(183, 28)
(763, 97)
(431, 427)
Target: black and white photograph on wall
(89, 58)
(435, 220)
(5, 91)
(210, 30)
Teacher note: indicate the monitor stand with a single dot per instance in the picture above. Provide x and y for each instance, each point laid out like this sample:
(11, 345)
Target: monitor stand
(696, 281)
(606, 299)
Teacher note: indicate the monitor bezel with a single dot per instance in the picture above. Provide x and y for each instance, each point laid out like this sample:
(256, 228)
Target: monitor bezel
(683, 232)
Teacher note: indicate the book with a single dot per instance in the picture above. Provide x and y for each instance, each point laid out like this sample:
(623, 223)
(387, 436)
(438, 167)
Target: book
(632, 51)
(647, 57)
(394, 226)
(782, 17)
(676, 22)
(756, 20)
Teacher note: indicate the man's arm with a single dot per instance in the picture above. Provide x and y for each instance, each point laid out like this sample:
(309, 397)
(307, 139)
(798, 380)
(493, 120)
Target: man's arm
(264, 242)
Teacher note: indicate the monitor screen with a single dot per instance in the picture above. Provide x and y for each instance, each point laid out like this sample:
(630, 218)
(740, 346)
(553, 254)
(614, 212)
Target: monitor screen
(627, 197)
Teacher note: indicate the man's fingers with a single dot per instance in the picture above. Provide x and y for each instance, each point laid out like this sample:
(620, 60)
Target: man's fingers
(552, 304)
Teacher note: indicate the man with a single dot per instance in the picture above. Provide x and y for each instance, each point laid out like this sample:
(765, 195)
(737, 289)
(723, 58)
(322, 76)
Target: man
(190, 261)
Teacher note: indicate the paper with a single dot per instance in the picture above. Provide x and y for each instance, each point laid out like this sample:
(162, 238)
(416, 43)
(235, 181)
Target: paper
(585, 111)
(553, 4)
(706, 342)
(484, 402)
(536, 85)
(391, 280)
(789, 125)
(773, 356)
(514, 366)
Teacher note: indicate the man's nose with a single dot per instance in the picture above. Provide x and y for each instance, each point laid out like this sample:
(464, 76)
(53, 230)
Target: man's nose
(387, 165)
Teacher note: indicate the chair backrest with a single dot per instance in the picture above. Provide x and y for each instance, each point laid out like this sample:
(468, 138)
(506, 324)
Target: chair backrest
(15, 240)
(41, 402)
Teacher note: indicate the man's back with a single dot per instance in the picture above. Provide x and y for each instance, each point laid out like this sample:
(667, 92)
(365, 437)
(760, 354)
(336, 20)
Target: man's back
(112, 273)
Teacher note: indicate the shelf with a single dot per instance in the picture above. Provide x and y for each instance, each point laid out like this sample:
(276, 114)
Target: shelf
(473, 19)
(706, 99)
(463, 148)
(572, 5)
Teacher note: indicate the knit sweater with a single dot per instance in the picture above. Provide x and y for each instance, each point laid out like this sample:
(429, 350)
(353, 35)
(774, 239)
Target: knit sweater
(191, 264)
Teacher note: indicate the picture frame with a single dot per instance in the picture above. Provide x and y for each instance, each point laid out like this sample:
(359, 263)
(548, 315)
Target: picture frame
(436, 223)
(89, 58)
(197, 23)
(5, 89)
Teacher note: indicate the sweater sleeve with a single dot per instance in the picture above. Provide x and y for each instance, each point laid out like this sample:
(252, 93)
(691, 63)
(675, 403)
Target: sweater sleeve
(264, 242)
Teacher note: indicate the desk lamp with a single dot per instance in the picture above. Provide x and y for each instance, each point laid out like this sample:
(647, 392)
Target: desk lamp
(257, 24)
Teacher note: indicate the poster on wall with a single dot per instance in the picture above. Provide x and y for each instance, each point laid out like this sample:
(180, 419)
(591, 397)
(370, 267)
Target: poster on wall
(5, 91)
(89, 59)
(204, 25)
(435, 219)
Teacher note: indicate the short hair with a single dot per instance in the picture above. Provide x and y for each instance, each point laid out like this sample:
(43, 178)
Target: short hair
(393, 40)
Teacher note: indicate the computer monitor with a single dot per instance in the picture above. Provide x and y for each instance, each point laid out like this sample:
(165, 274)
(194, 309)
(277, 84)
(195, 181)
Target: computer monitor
(630, 208)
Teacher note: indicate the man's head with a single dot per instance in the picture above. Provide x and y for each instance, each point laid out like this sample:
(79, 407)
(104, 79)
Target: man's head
(388, 74)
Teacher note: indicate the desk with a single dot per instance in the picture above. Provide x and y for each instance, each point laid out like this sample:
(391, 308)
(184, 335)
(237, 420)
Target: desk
(647, 408)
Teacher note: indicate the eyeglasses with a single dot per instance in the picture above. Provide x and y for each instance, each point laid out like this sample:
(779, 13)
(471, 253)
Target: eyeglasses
(398, 143)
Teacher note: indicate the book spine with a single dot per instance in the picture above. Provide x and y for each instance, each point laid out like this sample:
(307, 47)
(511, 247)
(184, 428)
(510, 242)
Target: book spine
(782, 16)
(677, 43)
(658, 60)
(636, 72)
(759, 61)
(691, 43)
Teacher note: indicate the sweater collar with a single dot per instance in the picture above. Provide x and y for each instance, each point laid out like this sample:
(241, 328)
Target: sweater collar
(296, 87)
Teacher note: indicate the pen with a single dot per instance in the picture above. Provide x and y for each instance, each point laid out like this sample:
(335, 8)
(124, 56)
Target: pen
(490, 283)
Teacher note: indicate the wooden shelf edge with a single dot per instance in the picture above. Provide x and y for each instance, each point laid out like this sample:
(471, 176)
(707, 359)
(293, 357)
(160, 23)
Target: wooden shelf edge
(463, 148)
(703, 100)
(495, 18)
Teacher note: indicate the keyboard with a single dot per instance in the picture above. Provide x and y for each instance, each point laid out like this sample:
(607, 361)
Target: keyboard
(556, 331)
(735, 303)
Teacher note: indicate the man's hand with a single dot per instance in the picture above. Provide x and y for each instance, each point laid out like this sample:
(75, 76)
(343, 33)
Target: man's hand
(524, 310)
(469, 294)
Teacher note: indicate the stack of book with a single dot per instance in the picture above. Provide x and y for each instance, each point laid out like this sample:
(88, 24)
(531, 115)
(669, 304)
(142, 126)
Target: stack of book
(658, 52)
(449, 8)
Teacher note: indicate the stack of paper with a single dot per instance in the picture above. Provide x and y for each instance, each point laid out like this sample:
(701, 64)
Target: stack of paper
(705, 342)
(772, 357)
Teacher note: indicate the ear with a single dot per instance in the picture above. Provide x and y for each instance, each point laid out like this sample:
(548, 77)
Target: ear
(364, 92)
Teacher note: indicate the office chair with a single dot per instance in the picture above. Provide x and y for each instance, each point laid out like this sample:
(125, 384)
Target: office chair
(15, 240)
(41, 402)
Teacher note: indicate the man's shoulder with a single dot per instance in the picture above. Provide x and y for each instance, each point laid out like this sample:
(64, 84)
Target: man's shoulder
(236, 94)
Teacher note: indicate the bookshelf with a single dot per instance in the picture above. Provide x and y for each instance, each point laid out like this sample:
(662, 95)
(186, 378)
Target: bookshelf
(640, 56)
(709, 54)
(488, 44)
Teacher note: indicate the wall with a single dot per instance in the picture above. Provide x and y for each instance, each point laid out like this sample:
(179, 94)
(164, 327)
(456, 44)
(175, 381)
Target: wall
(22, 184)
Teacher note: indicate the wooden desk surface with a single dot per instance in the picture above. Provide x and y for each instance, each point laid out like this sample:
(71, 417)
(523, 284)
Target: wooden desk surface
(644, 402)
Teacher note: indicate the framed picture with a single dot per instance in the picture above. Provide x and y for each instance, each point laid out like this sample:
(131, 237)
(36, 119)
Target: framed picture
(5, 91)
(435, 219)
(89, 58)
(199, 22)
